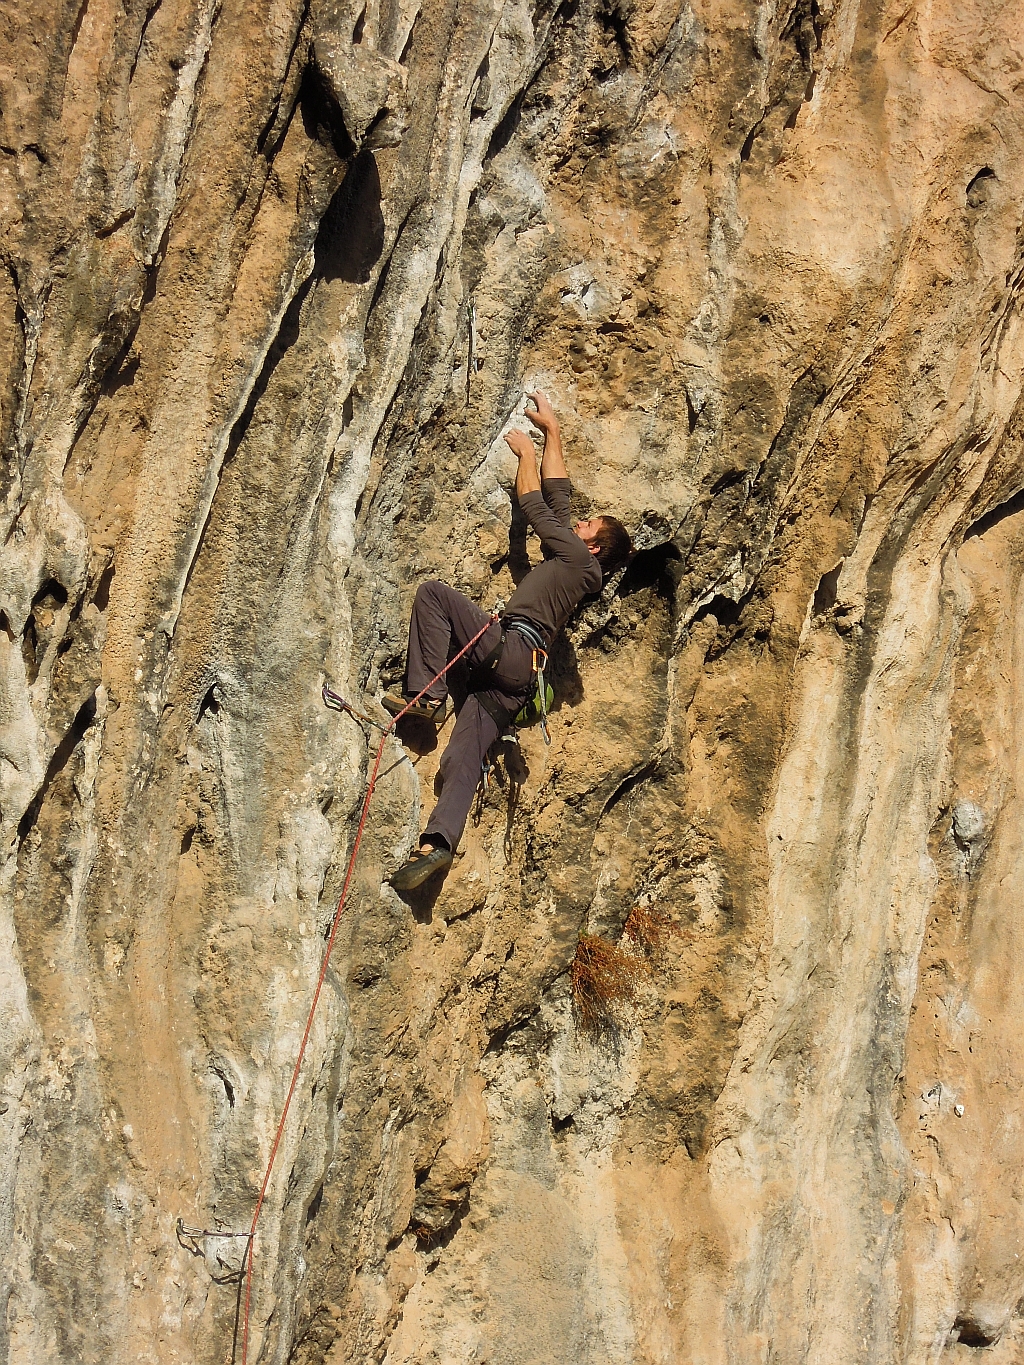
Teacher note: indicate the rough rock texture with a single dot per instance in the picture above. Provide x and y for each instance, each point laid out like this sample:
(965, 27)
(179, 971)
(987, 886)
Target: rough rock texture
(767, 260)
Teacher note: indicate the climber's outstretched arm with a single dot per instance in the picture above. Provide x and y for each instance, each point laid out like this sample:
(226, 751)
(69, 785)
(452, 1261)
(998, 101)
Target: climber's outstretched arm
(552, 466)
(527, 479)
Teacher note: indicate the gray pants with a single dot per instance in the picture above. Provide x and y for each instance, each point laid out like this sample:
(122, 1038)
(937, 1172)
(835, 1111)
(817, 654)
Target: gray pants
(442, 621)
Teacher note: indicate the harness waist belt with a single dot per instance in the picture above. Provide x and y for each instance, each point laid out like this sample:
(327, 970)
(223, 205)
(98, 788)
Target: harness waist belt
(527, 630)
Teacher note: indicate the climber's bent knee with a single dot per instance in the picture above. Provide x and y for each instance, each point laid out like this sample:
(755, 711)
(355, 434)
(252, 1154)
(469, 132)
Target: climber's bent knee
(433, 587)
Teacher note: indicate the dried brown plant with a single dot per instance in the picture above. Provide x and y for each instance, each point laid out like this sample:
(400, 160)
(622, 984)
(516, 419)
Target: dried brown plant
(649, 929)
(603, 978)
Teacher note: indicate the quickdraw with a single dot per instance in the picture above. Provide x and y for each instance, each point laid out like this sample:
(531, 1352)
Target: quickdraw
(336, 702)
(542, 691)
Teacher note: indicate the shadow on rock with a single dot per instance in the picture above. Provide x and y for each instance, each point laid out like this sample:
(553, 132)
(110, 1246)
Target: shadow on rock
(563, 672)
(422, 899)
(418, 735)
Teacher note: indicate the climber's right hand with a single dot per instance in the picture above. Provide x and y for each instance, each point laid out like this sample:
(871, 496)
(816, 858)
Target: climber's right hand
(544, 417)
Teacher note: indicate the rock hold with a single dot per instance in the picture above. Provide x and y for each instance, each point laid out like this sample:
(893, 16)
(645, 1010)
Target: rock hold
(366, 86)
(968, 823)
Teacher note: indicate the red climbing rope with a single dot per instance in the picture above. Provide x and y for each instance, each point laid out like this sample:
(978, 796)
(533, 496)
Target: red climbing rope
(323, 973)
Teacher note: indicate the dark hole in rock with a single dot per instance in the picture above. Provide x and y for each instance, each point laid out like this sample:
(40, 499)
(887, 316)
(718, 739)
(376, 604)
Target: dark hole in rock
(61, 756)
(314, 1205)
(210, 704)
(725, 611)
(46, 603)
(657, 567)
(30, 649)
(51, 595)
(501, 1035)
(123, 370)
(506, 129)
(970, 1333)
(366, 974)
(630, 784)
(229, 1089)
(826, 592)
(979, 191)
(560, 1125)
(102, 598)
(357, 32)
(729, 479)
(614, 25)
(748, 142)
(1010, 508)
(436, 1226)
(321, 117)
(351, 236)
(691, 415)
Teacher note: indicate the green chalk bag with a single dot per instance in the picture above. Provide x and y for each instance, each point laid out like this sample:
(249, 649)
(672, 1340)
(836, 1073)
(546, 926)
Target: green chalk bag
(531, 712)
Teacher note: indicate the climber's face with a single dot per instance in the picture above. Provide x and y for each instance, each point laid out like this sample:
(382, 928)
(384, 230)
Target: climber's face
(587, 530)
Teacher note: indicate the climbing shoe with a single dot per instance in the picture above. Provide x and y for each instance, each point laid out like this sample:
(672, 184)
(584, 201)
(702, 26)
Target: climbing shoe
(421, 865)
(425, 709)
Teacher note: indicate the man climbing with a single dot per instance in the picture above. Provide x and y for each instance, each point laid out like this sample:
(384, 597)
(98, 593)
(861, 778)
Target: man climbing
(502, 661)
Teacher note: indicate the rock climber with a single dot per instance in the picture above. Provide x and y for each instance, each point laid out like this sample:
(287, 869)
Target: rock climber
(502, 661)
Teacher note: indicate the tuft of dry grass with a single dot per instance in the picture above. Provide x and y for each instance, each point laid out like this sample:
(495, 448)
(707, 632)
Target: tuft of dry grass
(649, 929)
(602, 978)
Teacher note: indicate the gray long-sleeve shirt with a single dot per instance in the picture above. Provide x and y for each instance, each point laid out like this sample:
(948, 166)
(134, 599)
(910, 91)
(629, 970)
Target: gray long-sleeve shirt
(551, 591)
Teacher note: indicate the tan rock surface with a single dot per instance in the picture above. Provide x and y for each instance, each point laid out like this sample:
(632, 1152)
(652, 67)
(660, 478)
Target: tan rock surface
(768, 262)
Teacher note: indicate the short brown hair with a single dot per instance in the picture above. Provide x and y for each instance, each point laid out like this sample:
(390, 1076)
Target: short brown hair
(616, 546)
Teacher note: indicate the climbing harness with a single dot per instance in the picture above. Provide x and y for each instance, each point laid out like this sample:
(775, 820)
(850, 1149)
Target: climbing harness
(541, 697)
(335, 922)
(527, 630)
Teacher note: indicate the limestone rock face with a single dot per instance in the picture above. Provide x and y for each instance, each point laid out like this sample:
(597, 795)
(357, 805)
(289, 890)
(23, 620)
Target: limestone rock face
(275, 279)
